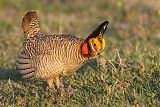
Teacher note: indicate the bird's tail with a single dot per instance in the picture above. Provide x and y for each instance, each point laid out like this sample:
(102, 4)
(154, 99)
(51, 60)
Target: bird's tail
(30, 24)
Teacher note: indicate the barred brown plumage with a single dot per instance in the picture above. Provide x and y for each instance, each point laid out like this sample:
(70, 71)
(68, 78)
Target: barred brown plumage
(50, 57)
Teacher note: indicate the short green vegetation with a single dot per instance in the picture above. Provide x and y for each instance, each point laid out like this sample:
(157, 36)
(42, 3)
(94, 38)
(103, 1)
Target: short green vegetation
(127, 75)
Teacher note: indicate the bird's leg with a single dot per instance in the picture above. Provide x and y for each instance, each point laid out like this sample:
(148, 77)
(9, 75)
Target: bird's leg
(59, 86)
(50, 83)
(57, 82)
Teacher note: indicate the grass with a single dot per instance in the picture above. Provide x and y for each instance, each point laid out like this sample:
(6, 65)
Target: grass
(128, 74)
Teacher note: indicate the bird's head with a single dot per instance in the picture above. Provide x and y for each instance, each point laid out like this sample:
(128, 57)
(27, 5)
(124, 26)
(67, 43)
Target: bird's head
(95, 43)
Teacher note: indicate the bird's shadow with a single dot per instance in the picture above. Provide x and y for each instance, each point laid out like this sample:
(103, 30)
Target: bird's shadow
(91, 64)
(12, 74)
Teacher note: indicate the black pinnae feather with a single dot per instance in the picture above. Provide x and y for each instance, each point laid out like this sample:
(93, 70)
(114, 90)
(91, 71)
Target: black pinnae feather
(100, 29)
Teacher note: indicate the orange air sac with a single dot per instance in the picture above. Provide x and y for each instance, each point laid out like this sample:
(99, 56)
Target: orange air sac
(85, 49)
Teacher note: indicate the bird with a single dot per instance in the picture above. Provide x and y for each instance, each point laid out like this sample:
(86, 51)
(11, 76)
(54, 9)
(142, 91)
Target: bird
(52, 57)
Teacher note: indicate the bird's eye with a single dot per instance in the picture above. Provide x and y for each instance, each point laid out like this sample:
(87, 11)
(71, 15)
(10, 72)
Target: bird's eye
(94, 44)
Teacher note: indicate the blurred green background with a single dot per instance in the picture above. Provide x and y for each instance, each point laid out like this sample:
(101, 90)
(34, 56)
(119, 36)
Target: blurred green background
(133, 36)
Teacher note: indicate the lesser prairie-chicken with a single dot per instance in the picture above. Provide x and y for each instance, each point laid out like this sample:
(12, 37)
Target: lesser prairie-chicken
(50, 57)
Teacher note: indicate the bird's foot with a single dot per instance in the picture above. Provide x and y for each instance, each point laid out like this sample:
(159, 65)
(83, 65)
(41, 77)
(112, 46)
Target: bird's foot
(60, 91)
(61, 86)
(51, 90)
(71, 90)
